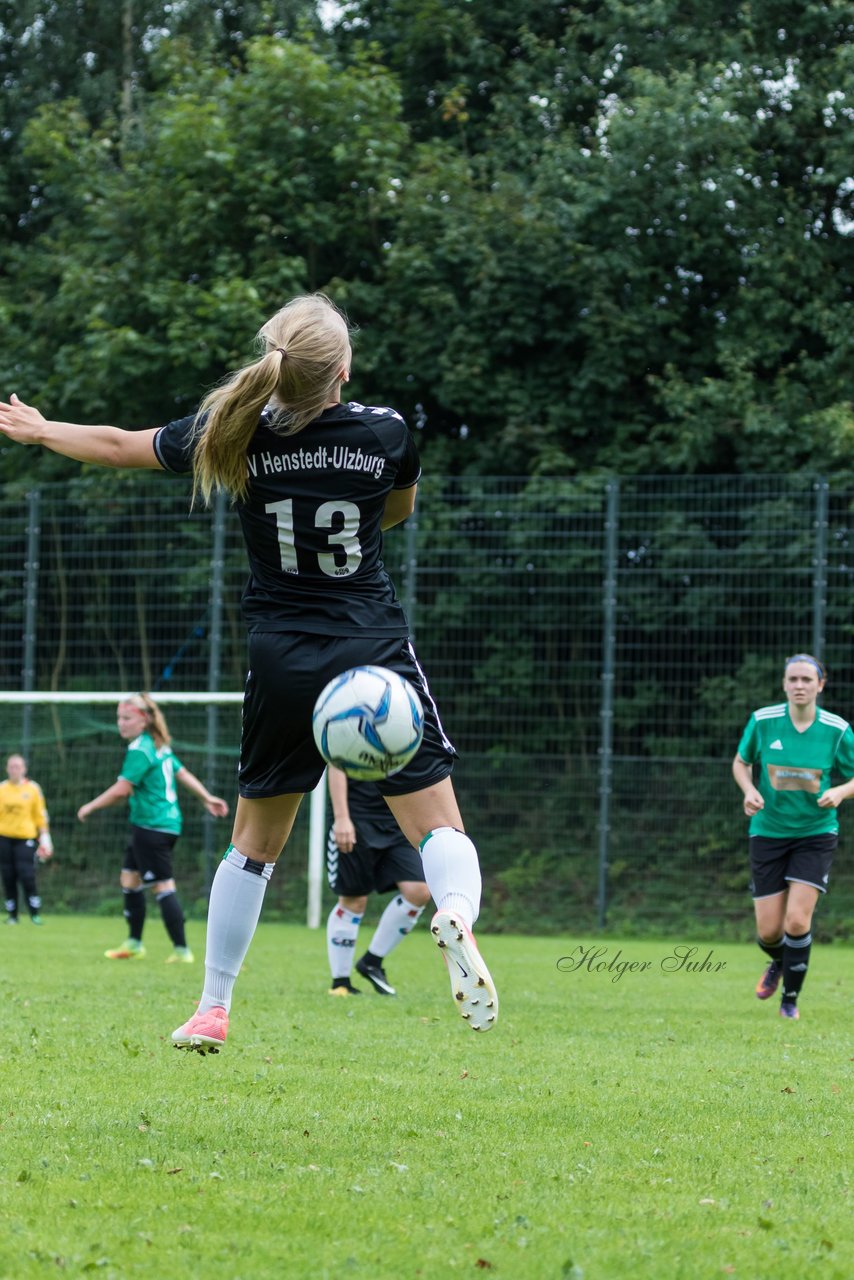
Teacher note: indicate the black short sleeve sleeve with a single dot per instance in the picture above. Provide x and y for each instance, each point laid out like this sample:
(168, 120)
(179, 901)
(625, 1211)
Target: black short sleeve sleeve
(173, 445)
(409, 471)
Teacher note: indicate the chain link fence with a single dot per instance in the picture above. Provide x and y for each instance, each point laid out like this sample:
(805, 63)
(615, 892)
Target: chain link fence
(595, 648)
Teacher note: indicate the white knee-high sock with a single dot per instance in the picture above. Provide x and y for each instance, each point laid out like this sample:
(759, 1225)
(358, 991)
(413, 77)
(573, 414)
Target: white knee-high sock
(342, 930)
(399, 918)
(237, 893)
(452, 872)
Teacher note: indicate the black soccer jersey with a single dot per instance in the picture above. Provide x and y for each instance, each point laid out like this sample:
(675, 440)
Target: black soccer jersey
(367, 805)
(311, 518)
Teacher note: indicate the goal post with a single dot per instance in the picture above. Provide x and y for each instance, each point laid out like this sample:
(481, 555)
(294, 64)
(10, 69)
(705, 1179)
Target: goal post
(70, 741)
(86, 697)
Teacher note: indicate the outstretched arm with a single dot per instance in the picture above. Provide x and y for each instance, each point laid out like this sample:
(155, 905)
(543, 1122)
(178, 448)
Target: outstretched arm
(214, 804)
(106, 446)
(119, 791)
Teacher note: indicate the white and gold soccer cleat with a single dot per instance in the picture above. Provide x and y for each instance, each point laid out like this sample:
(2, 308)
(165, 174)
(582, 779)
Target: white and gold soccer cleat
(471, 984)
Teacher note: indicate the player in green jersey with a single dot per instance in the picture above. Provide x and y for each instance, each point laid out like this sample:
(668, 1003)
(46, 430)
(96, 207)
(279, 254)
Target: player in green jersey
(147, 781)
(795, 746)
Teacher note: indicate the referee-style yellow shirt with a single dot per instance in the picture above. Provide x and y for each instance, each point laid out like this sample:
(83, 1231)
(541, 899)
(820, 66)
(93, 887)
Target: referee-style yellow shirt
(23, 813)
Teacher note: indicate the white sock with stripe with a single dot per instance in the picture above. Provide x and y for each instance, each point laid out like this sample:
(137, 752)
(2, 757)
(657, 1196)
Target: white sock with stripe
(237, 894)
(452, 872)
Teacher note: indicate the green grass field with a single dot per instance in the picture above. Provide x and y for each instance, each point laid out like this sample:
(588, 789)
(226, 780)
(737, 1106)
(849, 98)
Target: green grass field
(663, 1125)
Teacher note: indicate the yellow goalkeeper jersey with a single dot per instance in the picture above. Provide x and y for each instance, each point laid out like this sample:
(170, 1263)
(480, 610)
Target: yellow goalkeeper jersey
(23, 813)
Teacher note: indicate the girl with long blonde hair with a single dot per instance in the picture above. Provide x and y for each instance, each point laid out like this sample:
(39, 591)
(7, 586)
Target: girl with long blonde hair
(315, 483)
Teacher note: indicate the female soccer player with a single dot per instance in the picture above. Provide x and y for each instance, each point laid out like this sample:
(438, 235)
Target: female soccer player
(315, 483)
(147, 782)
(796, 745)
(367, 852)
(24, 838)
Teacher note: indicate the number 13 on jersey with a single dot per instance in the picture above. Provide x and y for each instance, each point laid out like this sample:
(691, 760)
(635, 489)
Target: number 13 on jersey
(341, 519)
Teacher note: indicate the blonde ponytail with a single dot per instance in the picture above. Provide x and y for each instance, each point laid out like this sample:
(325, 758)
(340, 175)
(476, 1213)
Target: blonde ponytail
(225, 424)
(306, 355)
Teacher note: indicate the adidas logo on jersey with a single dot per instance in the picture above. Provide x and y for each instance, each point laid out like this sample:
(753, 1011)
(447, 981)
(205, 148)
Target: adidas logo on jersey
(776, 745)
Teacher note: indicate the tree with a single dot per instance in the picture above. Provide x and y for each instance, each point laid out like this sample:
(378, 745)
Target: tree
(620, 241)
(629, 245)
(164, 252)
(100, 52)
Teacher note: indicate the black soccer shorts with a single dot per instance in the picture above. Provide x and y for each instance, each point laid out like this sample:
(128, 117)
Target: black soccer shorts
(372, 866)
(778, 861)
(287, 672)
(149, 854)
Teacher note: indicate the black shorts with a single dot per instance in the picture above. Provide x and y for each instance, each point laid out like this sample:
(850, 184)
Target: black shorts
(15, 853)
(777, 861)
(373, 866)
(287, 671)
(149, 853)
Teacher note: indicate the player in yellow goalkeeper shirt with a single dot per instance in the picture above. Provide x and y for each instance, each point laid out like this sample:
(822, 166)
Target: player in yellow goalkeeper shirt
(24, 838)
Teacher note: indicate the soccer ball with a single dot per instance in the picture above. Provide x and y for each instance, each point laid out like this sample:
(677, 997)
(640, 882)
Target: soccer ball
(368, 722)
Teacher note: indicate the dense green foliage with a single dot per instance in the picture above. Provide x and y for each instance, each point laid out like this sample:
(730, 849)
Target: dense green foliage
(574, 236)
(506, 583)
(578, 240)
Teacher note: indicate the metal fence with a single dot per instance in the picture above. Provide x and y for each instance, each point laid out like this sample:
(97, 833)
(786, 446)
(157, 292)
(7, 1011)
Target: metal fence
(595, 647)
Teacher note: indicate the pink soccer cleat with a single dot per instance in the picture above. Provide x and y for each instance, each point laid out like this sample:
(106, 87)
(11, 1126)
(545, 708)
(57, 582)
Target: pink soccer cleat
(471, 983)
(770, 981)
(204, 1033)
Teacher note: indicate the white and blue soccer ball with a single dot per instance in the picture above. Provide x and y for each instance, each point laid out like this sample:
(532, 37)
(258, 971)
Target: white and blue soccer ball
(368, 722)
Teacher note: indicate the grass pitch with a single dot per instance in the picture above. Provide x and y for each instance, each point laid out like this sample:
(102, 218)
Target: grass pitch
(644, 1120)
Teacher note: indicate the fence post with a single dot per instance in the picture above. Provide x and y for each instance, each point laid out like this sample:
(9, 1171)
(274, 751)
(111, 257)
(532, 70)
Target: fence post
(819, 576)
(214, 672)
(606, 732)
(31, 601)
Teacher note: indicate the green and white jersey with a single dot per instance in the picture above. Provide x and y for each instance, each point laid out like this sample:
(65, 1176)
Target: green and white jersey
(795, 769)
(151, 771)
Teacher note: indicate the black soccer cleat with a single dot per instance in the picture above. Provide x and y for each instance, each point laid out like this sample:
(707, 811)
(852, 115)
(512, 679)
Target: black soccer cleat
(343, 987)
(375, 974)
